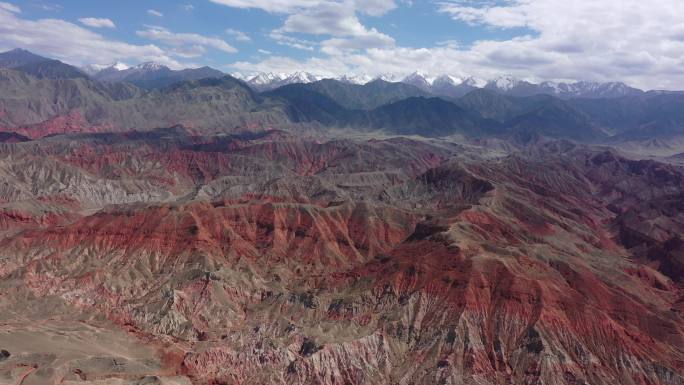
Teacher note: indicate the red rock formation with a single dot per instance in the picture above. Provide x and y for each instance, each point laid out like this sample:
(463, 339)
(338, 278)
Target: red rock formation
(271, 259)
(73, 122)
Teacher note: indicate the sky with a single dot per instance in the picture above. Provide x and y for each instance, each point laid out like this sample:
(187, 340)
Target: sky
(635, 41)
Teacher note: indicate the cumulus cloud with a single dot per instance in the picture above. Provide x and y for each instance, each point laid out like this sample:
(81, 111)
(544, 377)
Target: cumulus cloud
(326, 18)
(626, 40)
(336, 19)
(97, 22)
(375, 7)
(154, 13)
(185, 41)
(238, 35)
(72, 43)
(611, 39)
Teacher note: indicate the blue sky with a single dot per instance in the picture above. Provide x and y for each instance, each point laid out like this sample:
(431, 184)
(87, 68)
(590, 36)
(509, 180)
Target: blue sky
(418, 24)
(628, 40)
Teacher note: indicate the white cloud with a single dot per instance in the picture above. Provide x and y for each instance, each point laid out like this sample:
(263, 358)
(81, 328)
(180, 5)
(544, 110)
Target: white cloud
(264, 52)
(327, 18)
(154, 13)
(369, 7)
(189, 7)
(9, 7)
(375, 7)
(277, 6)
(71, 43)
(336, 18)
(189, 51)
(188, 42)
(293, 42)
(366, 40)
(97, 22)
(607, 40)
(283, 64)
(238, 35)
(641, 43)
(50, 7)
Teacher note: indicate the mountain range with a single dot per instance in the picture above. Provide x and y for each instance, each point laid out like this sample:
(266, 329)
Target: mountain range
(151, 75)
(453, 87)
(147, 96)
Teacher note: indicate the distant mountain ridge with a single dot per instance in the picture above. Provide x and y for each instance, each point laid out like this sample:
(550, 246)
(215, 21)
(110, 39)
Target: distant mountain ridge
(19, 57)
(40, 96)
(363, 96)
(38, 66)
(455, 87)
(269, 81)
(153, 75)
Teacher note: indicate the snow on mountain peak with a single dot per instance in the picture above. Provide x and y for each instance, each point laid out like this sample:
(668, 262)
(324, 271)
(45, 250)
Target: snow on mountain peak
(444, 83)
(150, 66)
(474, 82)
(265, 78)
(92, 69)
(506, 82)
(447, 79)
(302, 77)
(355, 79)
(120, 66)
(419, 78)
(391, 78)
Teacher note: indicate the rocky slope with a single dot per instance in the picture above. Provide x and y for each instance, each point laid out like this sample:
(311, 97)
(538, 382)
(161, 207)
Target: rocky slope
(38, 107)
(40, 104)
(152, 75)
(273, 258)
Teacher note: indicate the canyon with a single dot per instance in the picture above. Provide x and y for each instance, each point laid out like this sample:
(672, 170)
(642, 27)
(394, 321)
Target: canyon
(172, 258)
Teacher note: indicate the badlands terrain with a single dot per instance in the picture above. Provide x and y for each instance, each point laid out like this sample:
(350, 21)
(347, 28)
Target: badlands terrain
(207, 233)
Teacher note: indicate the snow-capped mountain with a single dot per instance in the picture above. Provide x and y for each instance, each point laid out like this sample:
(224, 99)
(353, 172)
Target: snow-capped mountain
(264, 79)
(505, 83)
(392, 78)
(301, 77)
(150, 66)
(447, 79)
(589, 89)
(269, 81)
(153, 75)
(119, 72)
(455, 87)
(451, 86)
(355, 79)
(509, 85)
(93, 69)
(420, 80)
(475, 82)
